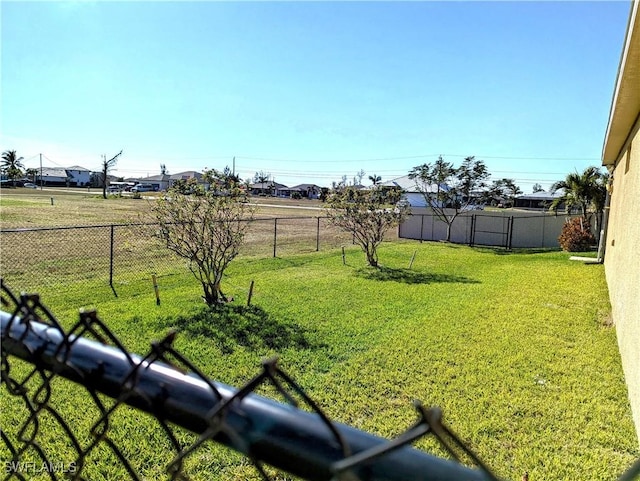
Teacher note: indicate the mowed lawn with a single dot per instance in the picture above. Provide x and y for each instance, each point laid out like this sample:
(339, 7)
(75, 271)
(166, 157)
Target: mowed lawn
(58, 206)
(515, 347)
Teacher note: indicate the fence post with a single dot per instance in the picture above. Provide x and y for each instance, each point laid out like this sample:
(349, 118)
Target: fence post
(250, 293)
(111, 260)
(275, 235)
(472, 229)
(318, 235)
(510, 233)
(413, 257)
(421, 227)
(155, 288)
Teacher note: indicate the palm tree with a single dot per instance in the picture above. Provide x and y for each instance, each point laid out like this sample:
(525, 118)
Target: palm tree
(586, 191)
(261, 177)
(31, 174)
(12, 165)
(375, 179)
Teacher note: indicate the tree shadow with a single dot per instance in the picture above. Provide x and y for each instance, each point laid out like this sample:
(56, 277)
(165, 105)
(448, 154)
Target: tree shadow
(501, 251)
(408, 276)
(229, 326)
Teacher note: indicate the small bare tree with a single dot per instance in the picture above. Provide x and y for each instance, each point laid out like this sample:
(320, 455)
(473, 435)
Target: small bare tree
(207, 229)
(367, 214)
(107, 165)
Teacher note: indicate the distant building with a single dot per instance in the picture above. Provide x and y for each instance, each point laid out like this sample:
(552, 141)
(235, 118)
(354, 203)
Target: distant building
(538, 201)
(306, 191)
(78, 175)
(53, 177)
(411, 193)
(269, 188)
(186, 176)
(75, 176)
(159, 182)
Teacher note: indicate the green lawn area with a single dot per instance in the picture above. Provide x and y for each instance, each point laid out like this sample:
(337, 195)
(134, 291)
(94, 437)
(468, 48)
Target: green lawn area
(515, 348)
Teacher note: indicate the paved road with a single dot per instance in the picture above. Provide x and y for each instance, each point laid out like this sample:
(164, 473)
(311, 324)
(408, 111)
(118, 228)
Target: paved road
(281, 206)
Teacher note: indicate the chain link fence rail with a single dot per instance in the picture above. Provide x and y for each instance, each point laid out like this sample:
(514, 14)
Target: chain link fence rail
(176, 395)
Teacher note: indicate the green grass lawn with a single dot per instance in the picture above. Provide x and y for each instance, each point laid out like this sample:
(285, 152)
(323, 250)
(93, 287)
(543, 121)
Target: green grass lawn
(513, 346)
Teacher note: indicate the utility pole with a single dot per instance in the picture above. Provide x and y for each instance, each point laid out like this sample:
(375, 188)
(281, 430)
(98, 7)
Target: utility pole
(40, 171)
(234, 166)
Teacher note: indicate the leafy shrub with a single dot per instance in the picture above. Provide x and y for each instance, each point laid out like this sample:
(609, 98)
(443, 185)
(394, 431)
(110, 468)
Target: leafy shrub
(576, 235)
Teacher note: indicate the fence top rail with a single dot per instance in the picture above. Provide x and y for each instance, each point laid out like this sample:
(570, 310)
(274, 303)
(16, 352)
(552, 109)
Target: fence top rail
(69, 227)
(516, 215)
(140, 224)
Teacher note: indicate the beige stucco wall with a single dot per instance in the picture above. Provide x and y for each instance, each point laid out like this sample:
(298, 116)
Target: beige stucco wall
(622, 263)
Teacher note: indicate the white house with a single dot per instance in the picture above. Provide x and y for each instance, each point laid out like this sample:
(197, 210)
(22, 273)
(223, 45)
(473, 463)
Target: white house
(411, 192)
(78, 175)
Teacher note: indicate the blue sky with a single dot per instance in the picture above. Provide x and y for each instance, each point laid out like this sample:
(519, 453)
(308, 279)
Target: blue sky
(311, 91)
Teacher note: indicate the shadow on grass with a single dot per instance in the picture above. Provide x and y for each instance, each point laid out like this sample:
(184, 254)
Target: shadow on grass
(230, 326)
(501, 251)
(410, 277)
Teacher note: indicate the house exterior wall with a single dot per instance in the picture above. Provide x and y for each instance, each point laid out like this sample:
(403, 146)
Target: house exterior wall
(622, 263)
(52, 179)
(80, 177)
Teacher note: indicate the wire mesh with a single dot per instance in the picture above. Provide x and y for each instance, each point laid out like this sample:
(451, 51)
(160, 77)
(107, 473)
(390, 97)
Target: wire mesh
(121, 255)
(50, 436)
(54, 256)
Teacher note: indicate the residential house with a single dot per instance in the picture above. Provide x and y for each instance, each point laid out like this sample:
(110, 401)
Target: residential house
(306, 191)
(186, 176)
(78, 176)
(159, 182)
(538, 201)
(411, 193)
(288, 192)
(270, 188)
(621, 156)
(53, 177)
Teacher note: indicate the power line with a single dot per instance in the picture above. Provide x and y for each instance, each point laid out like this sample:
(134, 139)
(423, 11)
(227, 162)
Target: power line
(30, 158)
(418, 157)
(53, 162)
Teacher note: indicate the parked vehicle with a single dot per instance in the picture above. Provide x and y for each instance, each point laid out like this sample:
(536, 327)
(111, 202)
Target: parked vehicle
(143, 188)
(30, 185)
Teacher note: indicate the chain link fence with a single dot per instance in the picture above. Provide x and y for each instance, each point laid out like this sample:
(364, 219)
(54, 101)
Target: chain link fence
(46, 370)
(118, 255)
